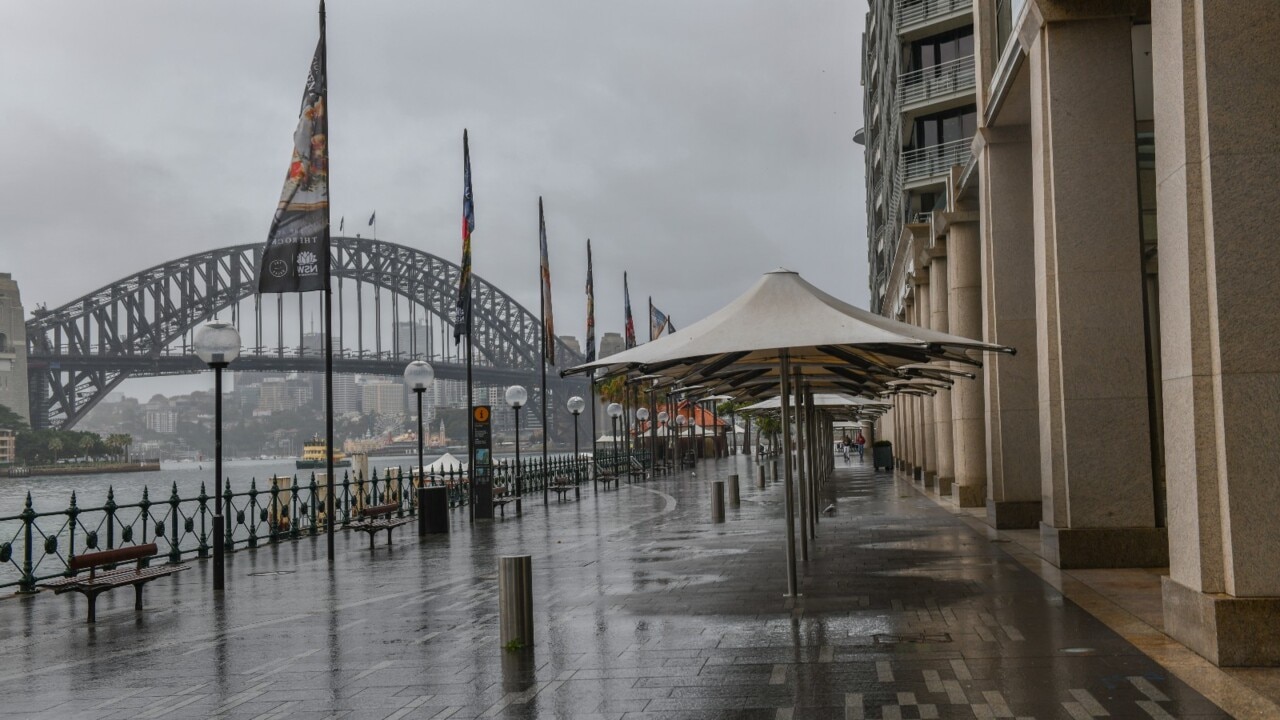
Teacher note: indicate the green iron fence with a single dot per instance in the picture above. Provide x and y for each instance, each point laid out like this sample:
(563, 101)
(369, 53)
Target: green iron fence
(37, 545)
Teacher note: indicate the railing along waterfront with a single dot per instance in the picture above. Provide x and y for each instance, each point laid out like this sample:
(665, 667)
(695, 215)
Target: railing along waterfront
(37, 545)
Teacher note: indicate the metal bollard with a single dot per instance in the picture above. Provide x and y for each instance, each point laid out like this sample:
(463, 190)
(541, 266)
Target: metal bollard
(775, 471)
(433, 510)
(734, 496)
(760, 476)
(717, 501)
(515, 601)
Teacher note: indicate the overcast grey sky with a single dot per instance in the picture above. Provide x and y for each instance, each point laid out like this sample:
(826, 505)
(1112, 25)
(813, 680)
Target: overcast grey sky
(698, 143)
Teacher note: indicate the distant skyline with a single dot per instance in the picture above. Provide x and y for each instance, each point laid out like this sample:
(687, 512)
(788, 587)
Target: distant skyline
(698, 145)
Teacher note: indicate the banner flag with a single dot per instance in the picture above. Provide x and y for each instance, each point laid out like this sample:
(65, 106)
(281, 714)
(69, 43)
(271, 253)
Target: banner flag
(630, 324)
(460, 320)
(373, 218)
(657, 321)
(293, 259)
(591, 309)
(548, 317)
(342, 221)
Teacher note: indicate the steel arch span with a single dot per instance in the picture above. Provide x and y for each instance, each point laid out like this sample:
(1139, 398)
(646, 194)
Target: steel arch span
(138, 325)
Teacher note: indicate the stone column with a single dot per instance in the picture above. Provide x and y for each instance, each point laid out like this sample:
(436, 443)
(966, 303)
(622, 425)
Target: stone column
(964, 314)
(938, 300)
(1217, 158)
(928, 428)
(1009, 318)
(1094, 436)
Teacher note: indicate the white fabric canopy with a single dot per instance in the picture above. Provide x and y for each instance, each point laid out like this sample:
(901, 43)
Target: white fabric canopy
(833, 344)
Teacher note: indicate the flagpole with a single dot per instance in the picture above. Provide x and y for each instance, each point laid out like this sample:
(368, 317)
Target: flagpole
(471, 430)
(542, 362)
(329, 513)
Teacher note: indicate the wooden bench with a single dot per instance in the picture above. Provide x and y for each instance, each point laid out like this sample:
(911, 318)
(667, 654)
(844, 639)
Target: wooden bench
(562, 486)
(96, 583)
(380, 517)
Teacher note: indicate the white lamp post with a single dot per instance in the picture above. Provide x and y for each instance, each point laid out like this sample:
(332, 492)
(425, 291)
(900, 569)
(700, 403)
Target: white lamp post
(576, 405)
(218, 344)
(615, 412)
(642, 415)
(517, 396)
(418, 376)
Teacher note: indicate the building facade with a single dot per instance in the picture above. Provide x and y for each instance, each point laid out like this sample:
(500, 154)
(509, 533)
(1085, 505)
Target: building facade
(1099, 221)
(13, 349)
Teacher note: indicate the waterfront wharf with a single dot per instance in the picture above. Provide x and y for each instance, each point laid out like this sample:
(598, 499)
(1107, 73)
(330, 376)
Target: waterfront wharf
(645, 608)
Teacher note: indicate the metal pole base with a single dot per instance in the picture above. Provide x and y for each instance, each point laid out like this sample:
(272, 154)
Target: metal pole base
(735, 497)
(218, 564)
(717, 501)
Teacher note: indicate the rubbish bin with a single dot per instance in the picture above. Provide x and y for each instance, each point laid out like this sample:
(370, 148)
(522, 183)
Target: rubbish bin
(882, 455)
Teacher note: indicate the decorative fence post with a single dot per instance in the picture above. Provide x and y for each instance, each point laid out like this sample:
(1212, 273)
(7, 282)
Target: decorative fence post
(253, 513)
(175, 555)
(228, 542)
(110, 507)
(203, 550)
(28, 584)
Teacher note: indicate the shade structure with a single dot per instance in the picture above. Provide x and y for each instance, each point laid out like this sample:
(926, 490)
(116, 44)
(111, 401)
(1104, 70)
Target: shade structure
(785, 332)
(736, 350)
(845, 406)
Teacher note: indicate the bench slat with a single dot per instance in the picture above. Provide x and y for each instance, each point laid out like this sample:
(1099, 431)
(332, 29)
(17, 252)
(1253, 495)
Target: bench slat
(114, 578)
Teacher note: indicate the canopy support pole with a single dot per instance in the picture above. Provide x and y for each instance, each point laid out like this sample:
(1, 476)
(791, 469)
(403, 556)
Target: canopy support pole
(803, 430)
(784, 379)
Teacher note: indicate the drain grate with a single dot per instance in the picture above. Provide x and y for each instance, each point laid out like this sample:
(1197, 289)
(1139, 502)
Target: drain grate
(886, 639)
(268, 573)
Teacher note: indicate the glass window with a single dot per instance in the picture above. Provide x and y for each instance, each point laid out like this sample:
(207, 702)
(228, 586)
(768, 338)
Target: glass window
(946, 126)
(942, 48)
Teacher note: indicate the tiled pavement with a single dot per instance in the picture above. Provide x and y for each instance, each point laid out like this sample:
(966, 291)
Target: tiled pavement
(645, 610)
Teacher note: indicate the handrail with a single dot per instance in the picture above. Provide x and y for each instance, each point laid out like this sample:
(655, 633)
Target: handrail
(945, 79)
(935, 159)
(914, 12)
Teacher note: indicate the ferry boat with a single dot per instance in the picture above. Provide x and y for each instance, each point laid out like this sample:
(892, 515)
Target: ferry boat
(313, 456)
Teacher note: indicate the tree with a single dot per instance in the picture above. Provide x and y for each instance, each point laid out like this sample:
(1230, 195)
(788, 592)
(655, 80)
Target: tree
(87, 443)
(10, 420)
(55, 447)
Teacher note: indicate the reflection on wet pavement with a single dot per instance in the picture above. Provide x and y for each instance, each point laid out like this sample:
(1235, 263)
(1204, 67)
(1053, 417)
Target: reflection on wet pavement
(644, 609)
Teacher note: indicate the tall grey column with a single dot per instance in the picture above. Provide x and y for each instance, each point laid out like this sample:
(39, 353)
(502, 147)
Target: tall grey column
(1009, 318)
(1217, 158)
(1090, 324)
(928, 445)
(943, 442)
(964, 314)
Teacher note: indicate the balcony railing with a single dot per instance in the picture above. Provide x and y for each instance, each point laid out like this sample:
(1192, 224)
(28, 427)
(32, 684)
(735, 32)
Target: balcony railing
(949, 78)
(935, 160)
(914, 13)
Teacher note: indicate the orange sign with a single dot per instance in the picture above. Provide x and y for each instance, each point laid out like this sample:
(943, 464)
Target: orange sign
(481, 414)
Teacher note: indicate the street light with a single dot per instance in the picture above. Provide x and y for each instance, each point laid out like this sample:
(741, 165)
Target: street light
(517, 396)
(417, 377)
(218, 344)
(615, 412)
(681, 421)
(642, 415)
(576, 405)
(662, 422)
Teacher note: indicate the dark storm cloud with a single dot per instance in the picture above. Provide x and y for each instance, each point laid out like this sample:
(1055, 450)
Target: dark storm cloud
(697, 143)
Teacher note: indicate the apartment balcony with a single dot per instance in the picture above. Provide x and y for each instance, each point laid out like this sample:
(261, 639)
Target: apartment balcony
(919, 18)
(936, 86)
(934, 161)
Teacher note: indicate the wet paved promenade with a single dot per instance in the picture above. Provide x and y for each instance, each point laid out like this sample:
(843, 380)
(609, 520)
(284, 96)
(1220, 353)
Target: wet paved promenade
(645, 610)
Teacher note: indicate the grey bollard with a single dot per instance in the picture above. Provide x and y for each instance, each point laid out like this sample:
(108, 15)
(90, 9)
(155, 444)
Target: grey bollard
(774, 471)
(515, 601)
(717, 501)
(760, 476)
(734, 496)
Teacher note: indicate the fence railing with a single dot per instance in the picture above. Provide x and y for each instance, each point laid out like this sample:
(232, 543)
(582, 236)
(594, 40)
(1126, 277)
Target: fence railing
(935, 81)
(915, 12)
(935, 159)
(37, 545)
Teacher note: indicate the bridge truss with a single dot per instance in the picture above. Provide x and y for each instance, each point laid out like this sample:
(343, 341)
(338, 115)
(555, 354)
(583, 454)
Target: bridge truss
(143, 325)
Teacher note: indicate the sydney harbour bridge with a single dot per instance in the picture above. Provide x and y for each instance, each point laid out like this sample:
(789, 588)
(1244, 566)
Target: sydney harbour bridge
(392, 304)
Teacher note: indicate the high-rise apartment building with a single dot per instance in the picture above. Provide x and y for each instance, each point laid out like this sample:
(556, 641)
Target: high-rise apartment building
(1103, 221)
(919, 118)
(386, 399)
